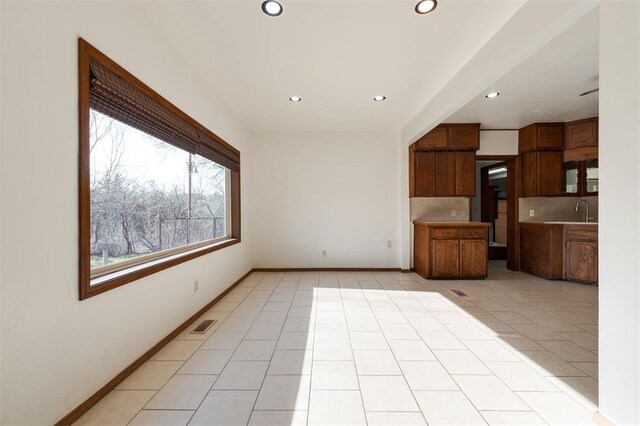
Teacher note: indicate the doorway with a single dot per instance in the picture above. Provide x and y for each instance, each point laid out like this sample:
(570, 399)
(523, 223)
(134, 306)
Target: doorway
(496, 203)
(494, 197)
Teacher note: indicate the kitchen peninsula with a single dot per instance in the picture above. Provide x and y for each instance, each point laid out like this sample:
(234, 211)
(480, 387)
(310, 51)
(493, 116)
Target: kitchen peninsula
(451, 250)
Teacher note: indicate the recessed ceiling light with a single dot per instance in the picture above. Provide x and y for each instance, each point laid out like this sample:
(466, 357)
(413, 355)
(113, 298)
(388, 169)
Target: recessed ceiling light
(272, 8)
(379, 98)
(295, 99)
(492, 95)
(425, 6)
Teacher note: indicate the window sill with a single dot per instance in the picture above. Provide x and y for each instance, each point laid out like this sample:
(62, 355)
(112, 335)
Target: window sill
(124, 276)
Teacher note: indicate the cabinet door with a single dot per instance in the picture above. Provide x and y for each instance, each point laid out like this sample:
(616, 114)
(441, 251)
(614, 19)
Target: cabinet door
(445, 174)
(581, 261)
(435, 139)
(527, 139)
(582, 133)
(528, 174)
(425, 174)
(473, 258)
(463, 136)
(550, 136)
(591, 177)
(465, 176)
(550, 172)
(446, 258)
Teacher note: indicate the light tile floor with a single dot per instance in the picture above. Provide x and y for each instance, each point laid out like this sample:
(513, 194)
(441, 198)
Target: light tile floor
(375, 348)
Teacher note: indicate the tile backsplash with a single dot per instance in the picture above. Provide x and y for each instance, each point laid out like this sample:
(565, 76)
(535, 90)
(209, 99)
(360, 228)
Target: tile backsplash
(439, 209)
(556, 209)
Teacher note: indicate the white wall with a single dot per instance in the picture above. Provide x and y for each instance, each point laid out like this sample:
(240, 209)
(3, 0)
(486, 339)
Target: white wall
(56, 350)
(1, 208)
(331, 190)
(619, 244)
(498, 142)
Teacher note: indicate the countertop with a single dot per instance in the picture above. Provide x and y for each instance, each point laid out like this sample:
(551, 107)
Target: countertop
(562, 223)
(451, 224)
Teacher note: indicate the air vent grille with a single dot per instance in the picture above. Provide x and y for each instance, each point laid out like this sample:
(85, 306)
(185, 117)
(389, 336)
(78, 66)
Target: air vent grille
(459, 293)
(203, 327)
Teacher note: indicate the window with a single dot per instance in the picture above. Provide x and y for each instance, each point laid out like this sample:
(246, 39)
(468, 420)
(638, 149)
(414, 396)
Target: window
(156, 187)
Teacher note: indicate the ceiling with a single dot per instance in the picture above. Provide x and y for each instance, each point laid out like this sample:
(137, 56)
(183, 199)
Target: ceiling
(546, 86)
(335, 54)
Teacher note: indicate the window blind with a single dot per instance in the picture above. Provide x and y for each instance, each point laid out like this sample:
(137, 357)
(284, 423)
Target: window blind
(112, 95)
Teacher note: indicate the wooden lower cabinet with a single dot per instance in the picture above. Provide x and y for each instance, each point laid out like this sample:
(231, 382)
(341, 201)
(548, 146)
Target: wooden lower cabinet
(473, 258)
(446, 258)
(541, 250)
(560, 251)
(451, 250)
(581, 253)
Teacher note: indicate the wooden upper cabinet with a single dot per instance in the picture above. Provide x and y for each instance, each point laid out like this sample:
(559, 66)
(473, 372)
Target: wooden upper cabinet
(425, 174)
(550, 173)
(445, 174)
(463, 136)
(443, 162)
(528, 174)
(541, 173)
(435, 139)
(541, 136)
(442, 173)
(582, 133)
(465, 179)
(541, 150)
(452, 137)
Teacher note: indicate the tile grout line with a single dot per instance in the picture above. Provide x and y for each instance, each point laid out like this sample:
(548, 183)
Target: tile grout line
(276, 344)
(537, 303)
(353, 355)
(391, 349)
(451, 375)
(218, 375)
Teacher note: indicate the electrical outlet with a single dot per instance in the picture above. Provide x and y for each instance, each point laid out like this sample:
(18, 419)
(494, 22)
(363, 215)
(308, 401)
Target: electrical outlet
(454, 213)
(324, 253)
(196, 286)
(532, 213)
(464, 213)
(389, 243)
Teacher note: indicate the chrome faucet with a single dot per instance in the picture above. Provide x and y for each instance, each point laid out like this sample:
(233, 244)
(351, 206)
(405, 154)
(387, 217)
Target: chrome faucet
(586, 216)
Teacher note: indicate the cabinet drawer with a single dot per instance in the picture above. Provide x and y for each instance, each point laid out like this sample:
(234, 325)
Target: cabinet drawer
(582, 234)
(447, 233)
(473, 233)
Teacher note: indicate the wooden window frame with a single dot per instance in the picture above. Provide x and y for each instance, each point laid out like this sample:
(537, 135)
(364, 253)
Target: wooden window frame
(86, 54)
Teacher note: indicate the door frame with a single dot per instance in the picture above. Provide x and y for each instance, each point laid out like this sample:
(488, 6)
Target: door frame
(513, 194)
(484, 184)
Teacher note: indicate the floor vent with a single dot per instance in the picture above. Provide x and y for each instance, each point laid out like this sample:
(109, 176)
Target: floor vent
(203, 327)
(460, 293)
